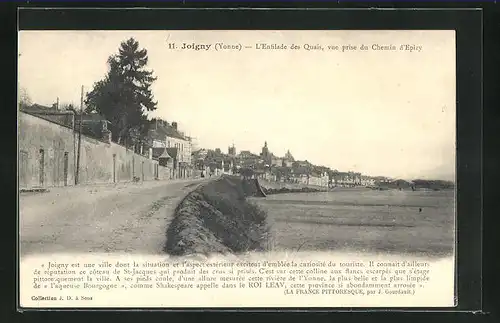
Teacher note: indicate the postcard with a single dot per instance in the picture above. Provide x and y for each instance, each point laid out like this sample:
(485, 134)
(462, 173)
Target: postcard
(237, 168)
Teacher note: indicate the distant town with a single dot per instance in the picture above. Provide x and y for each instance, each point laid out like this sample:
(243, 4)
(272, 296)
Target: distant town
(111, 138)
(165, 143)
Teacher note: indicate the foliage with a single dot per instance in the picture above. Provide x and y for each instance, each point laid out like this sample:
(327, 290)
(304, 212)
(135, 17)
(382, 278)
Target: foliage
(124, 96)
(68, 106)
(246, 172)
(282, 172)
(24, 98)
(214, 154)
(321, 169)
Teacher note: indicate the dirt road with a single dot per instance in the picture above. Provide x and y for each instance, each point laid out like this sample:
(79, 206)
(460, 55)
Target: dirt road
(126, 217)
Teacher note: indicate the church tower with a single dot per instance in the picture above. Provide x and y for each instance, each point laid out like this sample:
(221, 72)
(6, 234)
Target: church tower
(231, 151)
(266, 155)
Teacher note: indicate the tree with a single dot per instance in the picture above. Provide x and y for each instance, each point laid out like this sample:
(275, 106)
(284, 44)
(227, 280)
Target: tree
(282, 173)
(68, 106)
(214, 154)
(246, 172)
(24, 98)
(124, 96)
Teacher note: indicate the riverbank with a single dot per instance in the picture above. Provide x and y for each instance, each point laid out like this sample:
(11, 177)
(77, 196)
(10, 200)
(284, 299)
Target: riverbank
(229, 215)
(217, 218)
(269, 187)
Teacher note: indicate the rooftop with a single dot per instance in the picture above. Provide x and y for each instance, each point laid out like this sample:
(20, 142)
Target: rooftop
(62, 118)
(94, 117)
(160, 130)
(161, 153)
(37, 108)
(172, 152)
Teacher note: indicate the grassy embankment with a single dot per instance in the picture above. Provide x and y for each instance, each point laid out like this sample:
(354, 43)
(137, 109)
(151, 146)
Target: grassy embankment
(217, 218)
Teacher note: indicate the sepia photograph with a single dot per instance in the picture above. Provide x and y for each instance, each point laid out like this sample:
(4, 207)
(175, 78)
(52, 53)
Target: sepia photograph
(256, 168)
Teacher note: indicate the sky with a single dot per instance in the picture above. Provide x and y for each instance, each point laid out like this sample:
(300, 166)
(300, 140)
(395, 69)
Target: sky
(381, 113)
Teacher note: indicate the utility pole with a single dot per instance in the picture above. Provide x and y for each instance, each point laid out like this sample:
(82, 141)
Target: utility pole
(77, 174)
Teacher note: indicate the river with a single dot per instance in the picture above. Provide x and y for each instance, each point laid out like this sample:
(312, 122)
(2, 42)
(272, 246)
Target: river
(363, 220)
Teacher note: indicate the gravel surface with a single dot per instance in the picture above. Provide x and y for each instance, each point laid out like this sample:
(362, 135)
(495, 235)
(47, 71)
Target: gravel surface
(125, 217)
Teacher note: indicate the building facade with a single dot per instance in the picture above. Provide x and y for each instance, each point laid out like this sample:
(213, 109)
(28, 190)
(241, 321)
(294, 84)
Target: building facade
(367, 181)
(288, 160)
(165, 135)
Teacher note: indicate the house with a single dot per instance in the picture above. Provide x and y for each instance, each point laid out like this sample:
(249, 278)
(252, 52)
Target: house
(367, 181)
(303, 179)
(357, 179)
(167, 158)
(288, 160)
(267, 175)
(52, 114)
(302, 164)
(346, 179)
(163, 157)
(227, 167)
(246, 159)
(165, 135)
(246, 154)
(402, 184)
(381, 180)
(342, 179)
(95, 125)
(198, 159)
(318, 179)
(276, 161)
(199, 154)
(314, 179)
(324, 179)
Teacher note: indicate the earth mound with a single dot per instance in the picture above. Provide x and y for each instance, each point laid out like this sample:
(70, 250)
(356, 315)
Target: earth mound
(217, 218)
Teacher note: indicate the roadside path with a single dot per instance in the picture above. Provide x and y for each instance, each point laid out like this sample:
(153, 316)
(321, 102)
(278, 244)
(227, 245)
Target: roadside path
(122, 217)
